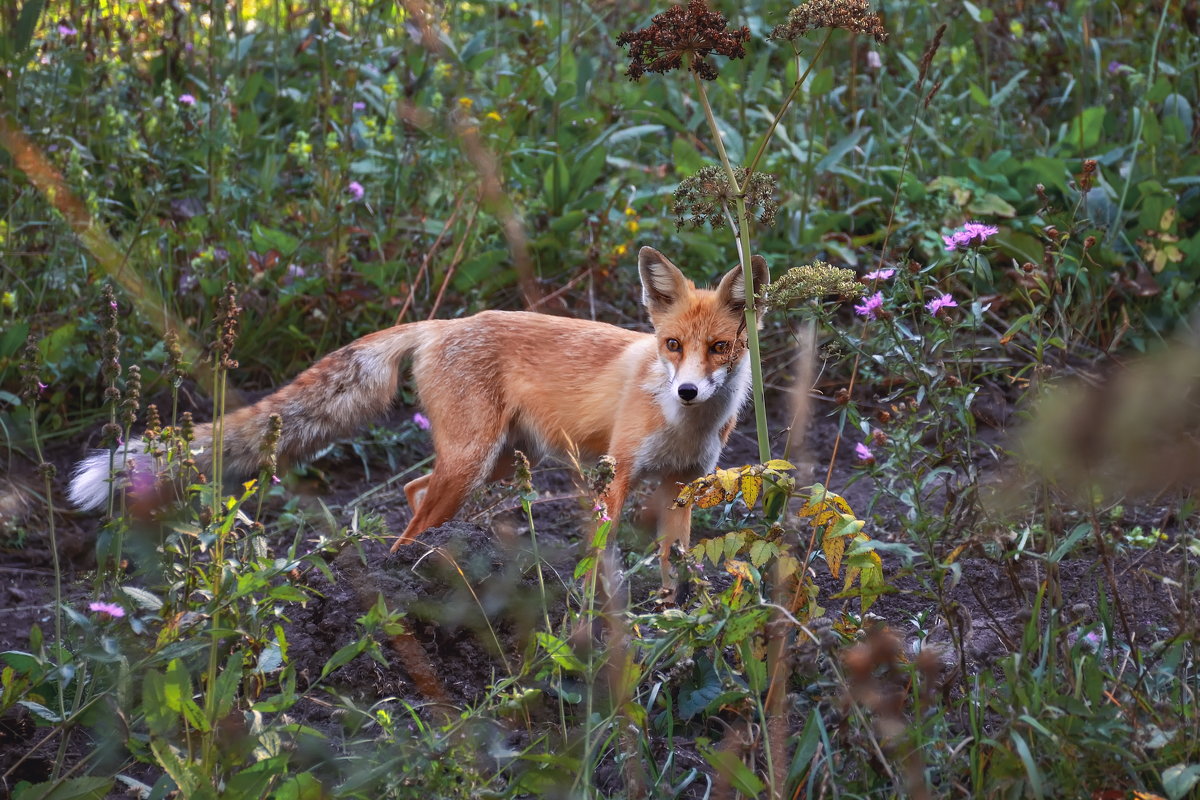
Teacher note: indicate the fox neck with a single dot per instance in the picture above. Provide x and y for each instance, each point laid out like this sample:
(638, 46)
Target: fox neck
(691, 441)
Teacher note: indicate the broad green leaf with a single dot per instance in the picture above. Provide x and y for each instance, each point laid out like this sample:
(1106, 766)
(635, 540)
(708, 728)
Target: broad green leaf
(560, 652)
(727, 763)
(67, 789)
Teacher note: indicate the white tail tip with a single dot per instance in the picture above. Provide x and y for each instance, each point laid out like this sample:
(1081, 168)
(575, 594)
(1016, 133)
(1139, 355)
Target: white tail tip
(92, 482)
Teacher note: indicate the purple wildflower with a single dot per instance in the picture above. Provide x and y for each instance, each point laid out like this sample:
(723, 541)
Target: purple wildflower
(359, 105)
(187, 100)
(938, 303)
(863, 453)
(871, 306)
(108, 609)
(1114, 67)
(972, 234)
(873, 60)
(66, 30)
(601, 512)
(421, 421)
(878, 275)
(356, 191)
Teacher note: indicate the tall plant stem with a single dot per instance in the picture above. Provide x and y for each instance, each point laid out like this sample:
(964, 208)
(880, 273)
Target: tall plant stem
(787, 101)
(743, 234)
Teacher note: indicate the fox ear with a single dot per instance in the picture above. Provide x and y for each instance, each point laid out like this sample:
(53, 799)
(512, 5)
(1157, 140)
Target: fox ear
(663, 284)
(732, 289)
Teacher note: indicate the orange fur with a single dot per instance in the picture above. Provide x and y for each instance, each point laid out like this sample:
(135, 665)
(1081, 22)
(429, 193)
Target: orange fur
(662, 404)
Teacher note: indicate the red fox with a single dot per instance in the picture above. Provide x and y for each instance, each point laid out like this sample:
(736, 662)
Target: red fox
(661, 404)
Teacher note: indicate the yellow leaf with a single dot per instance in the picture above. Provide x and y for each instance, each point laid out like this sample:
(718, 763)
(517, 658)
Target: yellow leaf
(686, 495)
(1168, 219)
(834, 546)
(751, 486)
(739, 569)
(780, 464)
(955, 553)
(728, 478)
(710, 496)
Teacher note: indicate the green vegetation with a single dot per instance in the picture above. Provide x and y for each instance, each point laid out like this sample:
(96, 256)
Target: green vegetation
(200, 199)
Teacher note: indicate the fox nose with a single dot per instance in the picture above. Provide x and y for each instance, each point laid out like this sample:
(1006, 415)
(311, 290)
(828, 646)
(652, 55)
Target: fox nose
(688, 392)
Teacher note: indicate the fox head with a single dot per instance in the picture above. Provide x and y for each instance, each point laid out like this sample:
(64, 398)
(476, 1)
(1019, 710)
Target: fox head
(701, 332)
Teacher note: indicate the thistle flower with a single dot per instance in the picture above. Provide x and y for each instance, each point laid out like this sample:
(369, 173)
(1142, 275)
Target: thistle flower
(938, 303)
(877, 275)
(872, 307)
(852, 15)
(683, 35)
(187, 100)
(356, 191)
(421, 421)
(972, 234)
(705, 196)
(107, 609)
(863, 453)
(811, 282)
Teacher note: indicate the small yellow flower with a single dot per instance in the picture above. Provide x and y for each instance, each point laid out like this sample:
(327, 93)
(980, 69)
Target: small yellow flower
(1018, 30)
(466, 102)
(632, 225)
(621, 249)
(495, 116)
(8, 300)
(539, 23)
(630, 212)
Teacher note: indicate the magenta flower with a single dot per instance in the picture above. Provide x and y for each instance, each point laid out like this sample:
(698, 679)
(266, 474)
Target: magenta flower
(863, 453)
(938, 303)
(871, 306)
(421, 421)
(108, 609)
(359, 105)
(601, 512)
(356, 191)
(187, 100)
(878, 275)
(66, 30)
(972, 234)
(1114, 67)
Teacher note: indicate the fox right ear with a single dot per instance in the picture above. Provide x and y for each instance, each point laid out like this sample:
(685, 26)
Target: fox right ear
(663, 284)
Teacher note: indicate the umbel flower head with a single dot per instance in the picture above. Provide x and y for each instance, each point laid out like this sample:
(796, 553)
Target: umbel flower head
(690, 31)
(814, 281)
(852, 15)
(705, 196)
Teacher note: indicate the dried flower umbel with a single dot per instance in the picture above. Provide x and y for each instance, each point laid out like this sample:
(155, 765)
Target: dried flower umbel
(683, 36)
(814, 281)
(705, 196)
(852, 15)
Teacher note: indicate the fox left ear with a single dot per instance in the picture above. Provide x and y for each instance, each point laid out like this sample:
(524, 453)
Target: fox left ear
(732, 289)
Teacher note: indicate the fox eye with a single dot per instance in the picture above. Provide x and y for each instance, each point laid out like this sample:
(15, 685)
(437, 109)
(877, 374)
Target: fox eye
(720, 348)
(673, 345)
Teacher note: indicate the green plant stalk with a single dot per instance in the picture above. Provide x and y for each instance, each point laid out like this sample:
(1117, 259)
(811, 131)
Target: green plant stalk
(743, 233)
(787, 101)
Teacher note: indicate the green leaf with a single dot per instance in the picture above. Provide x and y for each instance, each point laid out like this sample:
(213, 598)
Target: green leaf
(978, 95)
(1178, 780)
(1031, 770)
(731, 767)
(1083, 134)
(69, 789)
(343, 656)
(143, 598)
(560, 652)
(688, 160)
(40, 711)
(26, 25)
(265, 239)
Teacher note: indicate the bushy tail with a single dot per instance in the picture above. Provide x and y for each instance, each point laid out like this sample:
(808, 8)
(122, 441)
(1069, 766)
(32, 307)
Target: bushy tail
(329, 401)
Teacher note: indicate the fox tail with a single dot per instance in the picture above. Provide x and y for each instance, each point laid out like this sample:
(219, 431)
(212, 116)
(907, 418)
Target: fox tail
(329, 401)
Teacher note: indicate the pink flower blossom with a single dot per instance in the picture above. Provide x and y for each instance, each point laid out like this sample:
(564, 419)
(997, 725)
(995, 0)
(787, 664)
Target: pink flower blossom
(66, 30)
(187, 100)
(871, 306)
(863, 453)
(972, 234)
(356, 191)
(938, 303)
(421, 421)
(873, 60)
(878, 275)
(108, 609)
(359, 105)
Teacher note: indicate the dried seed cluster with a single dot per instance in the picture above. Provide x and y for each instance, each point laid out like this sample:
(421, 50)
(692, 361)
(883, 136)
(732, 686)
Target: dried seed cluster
(705, 196)
(852, 15)
(683, 35)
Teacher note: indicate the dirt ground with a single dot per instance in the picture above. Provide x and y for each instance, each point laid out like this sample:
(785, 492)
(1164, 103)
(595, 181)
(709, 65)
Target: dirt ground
(471, 597)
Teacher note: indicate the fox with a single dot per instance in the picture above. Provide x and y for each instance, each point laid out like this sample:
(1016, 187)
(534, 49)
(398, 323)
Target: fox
(661, 404)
